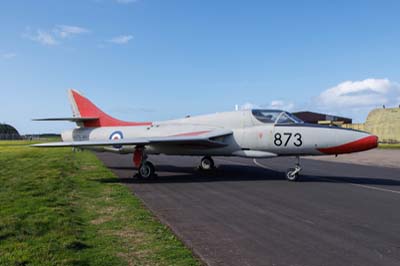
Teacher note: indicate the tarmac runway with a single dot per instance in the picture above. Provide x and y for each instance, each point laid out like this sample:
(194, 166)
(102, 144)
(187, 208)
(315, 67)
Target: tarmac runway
(246, 213)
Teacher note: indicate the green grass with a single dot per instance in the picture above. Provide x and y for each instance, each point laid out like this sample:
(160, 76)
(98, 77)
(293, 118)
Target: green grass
(389, 146)
(56, 208)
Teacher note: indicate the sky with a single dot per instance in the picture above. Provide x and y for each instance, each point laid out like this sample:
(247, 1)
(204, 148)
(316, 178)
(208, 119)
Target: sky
(151, 60)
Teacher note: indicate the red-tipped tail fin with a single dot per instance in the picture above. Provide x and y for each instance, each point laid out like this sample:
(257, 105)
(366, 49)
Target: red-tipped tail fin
(83, 107)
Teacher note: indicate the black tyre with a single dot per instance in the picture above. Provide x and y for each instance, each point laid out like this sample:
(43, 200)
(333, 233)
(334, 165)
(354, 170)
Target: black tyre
(146, 170)
(207, 163)
(292, 175)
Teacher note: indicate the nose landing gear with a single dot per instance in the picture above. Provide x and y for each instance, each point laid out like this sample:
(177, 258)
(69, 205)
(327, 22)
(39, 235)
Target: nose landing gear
(292, 174)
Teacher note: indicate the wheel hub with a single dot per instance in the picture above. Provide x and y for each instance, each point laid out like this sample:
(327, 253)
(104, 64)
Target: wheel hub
(206, 164)
(145, 170)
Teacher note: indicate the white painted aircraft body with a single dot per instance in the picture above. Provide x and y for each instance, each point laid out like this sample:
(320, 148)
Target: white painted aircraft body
(249, 133)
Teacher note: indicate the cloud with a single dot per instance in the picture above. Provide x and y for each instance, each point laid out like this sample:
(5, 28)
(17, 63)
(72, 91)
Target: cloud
(122, 39)
(8, 55)
(357, 94)
(64, 31)
(248, 106)
(276, 104)
(54, 36)
(353, 99)
(44, 38)
(281, 105)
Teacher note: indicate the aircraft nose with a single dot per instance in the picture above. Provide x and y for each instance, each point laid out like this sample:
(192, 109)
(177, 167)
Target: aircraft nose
(366, 143)
(362, 142)
(353, 141)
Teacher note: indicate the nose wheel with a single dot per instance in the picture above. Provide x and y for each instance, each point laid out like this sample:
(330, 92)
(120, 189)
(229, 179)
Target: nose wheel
(206, 163)
(292, 174)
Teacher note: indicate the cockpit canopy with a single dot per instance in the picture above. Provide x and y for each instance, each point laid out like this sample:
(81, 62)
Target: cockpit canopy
(275, 117)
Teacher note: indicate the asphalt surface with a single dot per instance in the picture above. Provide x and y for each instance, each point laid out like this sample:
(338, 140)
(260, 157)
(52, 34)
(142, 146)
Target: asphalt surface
(246, 213)
(375, 157)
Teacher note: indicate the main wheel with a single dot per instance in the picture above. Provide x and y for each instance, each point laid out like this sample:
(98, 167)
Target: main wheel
(292, 174)
(207, 163)
(146, 170)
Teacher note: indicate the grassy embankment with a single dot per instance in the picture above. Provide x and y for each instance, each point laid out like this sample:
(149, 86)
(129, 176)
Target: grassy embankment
(57, 209)
(389, 146)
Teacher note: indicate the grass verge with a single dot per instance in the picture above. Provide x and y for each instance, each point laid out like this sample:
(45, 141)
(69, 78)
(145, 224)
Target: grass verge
(389, 146)
(55, 210)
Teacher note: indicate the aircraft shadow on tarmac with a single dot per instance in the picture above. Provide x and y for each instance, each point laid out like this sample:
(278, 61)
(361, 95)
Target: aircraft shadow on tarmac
(174, 174)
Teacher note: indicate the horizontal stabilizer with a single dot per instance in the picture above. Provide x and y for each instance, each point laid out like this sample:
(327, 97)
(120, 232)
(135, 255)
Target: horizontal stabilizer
(70, 119)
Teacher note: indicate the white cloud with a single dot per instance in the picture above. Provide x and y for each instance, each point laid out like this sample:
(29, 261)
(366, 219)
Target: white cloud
(356, 94)
(64, 31)
(44, 38)
(248, 106)
(122, 39)
(8, 55)
(54, 36)
(353, 99)
(278, 104)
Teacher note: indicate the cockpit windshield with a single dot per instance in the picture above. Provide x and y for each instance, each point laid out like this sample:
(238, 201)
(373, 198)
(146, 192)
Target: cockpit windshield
(266, 116)
(275, 116)
(288, 118)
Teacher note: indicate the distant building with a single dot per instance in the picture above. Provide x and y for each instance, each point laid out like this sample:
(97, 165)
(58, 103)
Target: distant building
(318, 118)
(8, 132)
(385, 123)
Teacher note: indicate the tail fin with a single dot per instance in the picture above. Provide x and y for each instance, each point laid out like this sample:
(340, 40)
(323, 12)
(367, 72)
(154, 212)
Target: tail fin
(84, 108)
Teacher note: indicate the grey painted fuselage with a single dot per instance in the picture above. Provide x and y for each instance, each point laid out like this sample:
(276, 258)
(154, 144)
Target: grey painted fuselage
(250, 138)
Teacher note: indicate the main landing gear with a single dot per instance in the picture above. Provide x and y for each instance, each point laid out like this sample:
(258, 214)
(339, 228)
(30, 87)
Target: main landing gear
(206, 163)
(145, 168)
(292, 174)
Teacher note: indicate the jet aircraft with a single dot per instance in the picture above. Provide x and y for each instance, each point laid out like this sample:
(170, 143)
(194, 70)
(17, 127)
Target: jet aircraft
(256, 133)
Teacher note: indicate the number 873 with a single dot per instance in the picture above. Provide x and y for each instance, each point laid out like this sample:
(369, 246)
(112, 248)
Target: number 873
(284, 140)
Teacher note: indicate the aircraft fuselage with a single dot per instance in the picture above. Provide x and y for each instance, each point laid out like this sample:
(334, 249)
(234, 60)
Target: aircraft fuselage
(250, 138)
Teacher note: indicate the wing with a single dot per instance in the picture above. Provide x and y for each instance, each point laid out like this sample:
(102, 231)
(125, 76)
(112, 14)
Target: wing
(70, 119)
(210, 139)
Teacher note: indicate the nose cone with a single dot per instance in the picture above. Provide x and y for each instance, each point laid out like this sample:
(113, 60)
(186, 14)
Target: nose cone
(353, 142)
(366, 143)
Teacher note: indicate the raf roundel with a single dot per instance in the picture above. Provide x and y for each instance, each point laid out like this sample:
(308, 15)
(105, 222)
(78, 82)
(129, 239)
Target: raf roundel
(116, 135)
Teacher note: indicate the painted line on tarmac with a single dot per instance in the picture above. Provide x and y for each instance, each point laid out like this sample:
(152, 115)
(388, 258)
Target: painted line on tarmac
(245, 164)
(261, 165)
(229, 161)
(331, 179)
(361, 186)
(377, 188)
